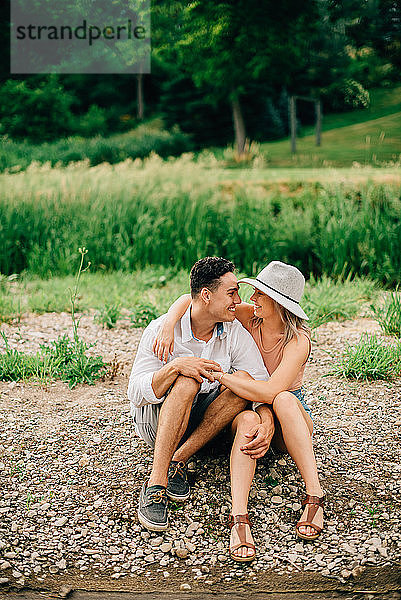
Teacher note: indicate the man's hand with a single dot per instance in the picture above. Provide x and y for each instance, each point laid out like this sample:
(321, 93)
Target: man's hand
(192, 366)
(261, 436)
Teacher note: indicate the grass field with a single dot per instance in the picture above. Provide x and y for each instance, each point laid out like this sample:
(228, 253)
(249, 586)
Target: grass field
(369, 136)
(133, 215)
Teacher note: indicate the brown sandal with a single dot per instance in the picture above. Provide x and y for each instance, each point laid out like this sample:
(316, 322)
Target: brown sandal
(240, 521)
(315, 502)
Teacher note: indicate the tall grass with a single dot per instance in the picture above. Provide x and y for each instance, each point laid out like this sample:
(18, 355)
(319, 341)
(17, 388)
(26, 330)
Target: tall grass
(136, 214)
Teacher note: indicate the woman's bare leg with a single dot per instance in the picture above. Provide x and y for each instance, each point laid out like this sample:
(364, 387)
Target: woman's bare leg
(242, 470)
(295, 438)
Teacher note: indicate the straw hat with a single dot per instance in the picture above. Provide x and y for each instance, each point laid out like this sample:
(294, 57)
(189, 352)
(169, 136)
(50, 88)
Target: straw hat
(283, 283)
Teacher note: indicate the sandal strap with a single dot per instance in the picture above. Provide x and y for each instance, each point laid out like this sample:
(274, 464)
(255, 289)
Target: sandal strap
(243, 545)
(313, 500)
(308, 524)
(239, 520)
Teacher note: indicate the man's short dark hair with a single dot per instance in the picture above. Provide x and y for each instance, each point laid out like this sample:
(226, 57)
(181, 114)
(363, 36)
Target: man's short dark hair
(206, 273)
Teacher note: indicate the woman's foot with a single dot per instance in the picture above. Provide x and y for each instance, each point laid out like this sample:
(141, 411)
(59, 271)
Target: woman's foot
(242, 547)
(310, 524)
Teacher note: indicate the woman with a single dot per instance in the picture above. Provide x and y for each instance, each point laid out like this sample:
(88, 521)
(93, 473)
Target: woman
(276, 322)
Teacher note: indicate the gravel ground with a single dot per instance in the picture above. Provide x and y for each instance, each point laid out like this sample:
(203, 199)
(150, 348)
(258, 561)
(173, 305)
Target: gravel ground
(71, 468)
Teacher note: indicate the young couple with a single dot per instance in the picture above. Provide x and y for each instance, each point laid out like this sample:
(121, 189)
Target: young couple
(212, 362)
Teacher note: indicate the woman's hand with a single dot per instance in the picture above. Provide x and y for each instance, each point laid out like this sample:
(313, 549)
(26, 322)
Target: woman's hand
(164, 343)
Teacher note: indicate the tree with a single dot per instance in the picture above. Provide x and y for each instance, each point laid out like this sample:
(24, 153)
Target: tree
(226, 45)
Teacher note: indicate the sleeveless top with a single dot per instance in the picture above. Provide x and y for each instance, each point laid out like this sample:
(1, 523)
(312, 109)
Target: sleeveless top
(273, 354)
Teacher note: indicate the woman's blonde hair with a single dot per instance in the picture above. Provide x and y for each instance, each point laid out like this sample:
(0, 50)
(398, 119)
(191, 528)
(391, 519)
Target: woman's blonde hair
(292, 323)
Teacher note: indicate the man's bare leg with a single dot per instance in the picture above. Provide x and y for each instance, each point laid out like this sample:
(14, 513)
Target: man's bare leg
(173, 421)
(220, 413)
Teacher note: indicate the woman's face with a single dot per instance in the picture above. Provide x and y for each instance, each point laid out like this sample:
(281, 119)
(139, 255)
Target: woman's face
(264, 305)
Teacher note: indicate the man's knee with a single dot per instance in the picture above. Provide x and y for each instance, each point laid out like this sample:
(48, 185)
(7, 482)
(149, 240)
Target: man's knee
(186, 387)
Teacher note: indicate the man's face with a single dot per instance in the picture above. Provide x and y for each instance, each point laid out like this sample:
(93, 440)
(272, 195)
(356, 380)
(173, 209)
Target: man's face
(225, 298)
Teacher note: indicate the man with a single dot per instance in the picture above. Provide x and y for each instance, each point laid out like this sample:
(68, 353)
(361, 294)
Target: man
(178, 407)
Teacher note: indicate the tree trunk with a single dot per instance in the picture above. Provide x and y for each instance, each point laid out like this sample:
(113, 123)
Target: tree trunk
(318, 108)
(139, 97)
(239, 126)
(293, 122)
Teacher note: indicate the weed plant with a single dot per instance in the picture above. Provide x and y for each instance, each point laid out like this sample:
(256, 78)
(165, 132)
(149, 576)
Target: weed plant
(108, 315)
(171, 214)
(64, 359)
(143, 314)
(389, 315)
(371, 358)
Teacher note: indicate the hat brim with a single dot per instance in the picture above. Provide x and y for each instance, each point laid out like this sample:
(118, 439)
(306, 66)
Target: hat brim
(286, 302)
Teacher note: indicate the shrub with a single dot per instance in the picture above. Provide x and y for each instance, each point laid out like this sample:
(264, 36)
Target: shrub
(108, 315)
(143, 314)
(47, 104)
(389, 315)
(370, 358)
(138, 143)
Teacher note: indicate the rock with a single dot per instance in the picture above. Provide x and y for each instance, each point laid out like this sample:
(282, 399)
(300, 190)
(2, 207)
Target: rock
(357, 572)
(98, 503)
(16, 574)
(190, 547)
(64, 591)
(345, 573)
(84, 461)
(182, 552)
(166, 547)
(191, 529)
(166, 574)
(61, 564)
(276, 500)
(154, 542)
(114, 550)
(61, 522)
(4, 580)
(185, 587)
(4, 565)
(10, 555)
(296, 506)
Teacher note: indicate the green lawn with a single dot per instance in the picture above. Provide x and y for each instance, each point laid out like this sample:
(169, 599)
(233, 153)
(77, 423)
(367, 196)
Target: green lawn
(370, 136)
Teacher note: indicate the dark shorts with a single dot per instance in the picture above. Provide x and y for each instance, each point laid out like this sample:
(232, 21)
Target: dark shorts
(146, 417)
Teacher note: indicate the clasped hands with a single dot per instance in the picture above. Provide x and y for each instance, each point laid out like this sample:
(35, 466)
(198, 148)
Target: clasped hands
(259, 435)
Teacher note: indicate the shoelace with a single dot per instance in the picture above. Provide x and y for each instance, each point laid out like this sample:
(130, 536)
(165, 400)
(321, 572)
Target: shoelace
(179, 468)
(158, 496)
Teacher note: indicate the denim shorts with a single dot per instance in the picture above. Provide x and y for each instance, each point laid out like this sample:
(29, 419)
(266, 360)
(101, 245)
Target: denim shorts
(300, 395)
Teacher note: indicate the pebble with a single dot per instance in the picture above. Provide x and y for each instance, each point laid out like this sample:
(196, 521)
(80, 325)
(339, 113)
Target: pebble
(182, 552)
(166, 547)
(185, 587)
(61, 522)
(276, 500)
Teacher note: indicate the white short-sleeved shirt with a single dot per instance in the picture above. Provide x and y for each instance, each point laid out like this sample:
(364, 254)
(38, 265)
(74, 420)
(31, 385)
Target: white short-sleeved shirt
(230, 345)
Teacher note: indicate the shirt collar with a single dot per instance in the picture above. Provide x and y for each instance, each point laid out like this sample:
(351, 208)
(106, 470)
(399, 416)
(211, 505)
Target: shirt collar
(220, 329)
